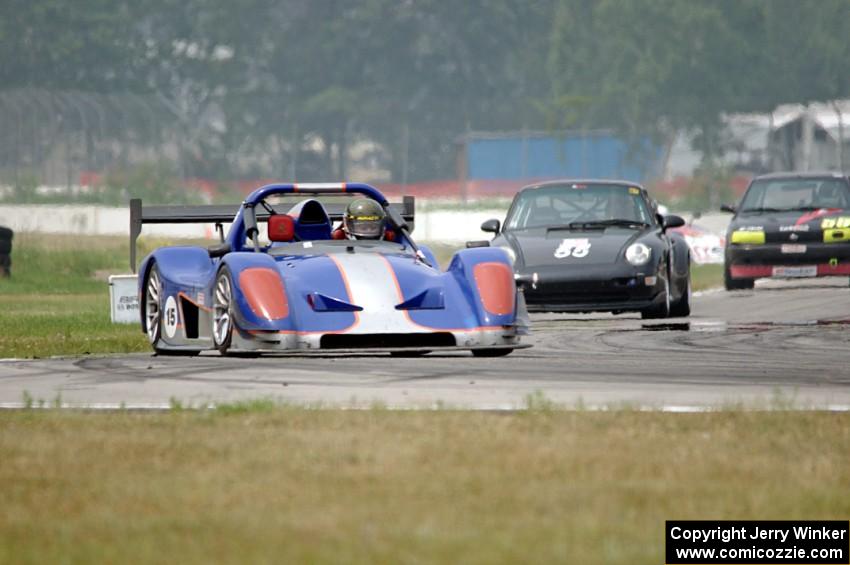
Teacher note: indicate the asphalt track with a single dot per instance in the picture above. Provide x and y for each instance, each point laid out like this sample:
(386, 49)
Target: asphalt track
(785, 344)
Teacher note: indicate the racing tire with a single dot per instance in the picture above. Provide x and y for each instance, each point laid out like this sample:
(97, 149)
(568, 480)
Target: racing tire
(682, 307)
(152, 303)
(657, 311)
(500, 352)
(222, 330)
(736, 284)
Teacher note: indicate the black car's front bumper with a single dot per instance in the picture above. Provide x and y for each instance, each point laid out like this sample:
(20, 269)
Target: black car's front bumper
(591, 290)
(762, 260)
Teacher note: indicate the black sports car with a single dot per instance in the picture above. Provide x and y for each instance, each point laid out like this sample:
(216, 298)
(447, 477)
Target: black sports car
(789, 225)
(595, 245)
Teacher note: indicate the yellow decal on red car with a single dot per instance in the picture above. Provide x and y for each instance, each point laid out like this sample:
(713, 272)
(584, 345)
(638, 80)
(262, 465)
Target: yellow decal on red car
(836, 235)
(748, 237)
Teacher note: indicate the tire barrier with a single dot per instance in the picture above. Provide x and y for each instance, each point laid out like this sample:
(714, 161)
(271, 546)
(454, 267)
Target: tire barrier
(6, 251)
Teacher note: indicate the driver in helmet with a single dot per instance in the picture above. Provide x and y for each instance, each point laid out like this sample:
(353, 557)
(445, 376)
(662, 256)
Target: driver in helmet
(828, 195)
(364, 219)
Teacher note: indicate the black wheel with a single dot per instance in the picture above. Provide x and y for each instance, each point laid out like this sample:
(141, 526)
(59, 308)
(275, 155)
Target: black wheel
(223, 311)
(682, 307)
(5, 246)
(736, 284)
(153, 311)
(5, 266)
(662, 310)
(501, 352)
(152, 301)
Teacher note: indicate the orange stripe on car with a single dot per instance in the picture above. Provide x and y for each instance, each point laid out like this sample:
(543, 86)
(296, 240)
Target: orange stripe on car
(265, 293)
(495, 282)
(400, 295)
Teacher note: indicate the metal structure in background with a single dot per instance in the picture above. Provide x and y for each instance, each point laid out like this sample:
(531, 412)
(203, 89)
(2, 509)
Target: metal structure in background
(808, 138)
(51, 137)
(55, 138)
(540, 155)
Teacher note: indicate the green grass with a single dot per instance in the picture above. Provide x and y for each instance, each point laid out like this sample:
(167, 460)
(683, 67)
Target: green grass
(33, 326)
(282, 485)
(57, 300)
(706, 276)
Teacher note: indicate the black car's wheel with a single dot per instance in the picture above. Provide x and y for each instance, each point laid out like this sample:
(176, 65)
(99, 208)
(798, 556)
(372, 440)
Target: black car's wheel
(153, 313)
(662, 308)
(736, 284)
(682, 307)
(501, 352)
(223, 311)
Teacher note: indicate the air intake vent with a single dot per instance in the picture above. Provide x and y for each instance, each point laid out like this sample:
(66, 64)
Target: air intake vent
(380, 341)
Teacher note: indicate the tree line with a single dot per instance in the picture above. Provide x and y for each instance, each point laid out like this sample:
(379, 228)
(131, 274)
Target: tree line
(284, 88)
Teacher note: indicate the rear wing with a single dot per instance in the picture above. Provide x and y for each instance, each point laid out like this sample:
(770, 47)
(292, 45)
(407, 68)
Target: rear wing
(224, 214)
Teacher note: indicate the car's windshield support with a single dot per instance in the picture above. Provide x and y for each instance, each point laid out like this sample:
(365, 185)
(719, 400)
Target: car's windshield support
(250, 219)
(401, 225)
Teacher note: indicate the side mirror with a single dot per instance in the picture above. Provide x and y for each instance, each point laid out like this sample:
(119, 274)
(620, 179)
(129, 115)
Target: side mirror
(673, 221)
(219, 250)
(471, 244)
(491, 226)
(728, 208)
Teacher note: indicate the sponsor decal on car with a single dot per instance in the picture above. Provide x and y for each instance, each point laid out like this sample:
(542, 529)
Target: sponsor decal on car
(748, 236)
(578, 248)
(836, 230)
(794, 272)
(705, 246)
(839, 222)
(793, 248)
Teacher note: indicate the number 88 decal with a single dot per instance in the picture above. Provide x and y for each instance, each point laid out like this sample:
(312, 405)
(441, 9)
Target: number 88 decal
(836, 229)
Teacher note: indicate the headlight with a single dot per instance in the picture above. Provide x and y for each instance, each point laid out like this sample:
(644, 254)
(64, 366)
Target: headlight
(638, 254)
(511, 253)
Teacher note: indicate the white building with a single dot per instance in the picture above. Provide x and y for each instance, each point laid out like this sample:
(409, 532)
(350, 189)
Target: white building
(793, 137)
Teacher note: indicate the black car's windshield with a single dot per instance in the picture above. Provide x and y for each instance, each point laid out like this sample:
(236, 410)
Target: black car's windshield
(574, 206)
(780, 195)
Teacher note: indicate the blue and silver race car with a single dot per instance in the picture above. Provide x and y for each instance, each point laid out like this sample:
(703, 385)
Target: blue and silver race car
(295, 286)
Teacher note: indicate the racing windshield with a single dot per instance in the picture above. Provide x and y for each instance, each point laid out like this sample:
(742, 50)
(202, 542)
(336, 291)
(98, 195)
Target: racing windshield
(574, 205)
(779, 195)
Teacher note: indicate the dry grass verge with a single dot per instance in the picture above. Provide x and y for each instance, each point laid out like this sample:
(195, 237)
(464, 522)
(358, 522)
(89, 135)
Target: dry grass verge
(259, 484)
